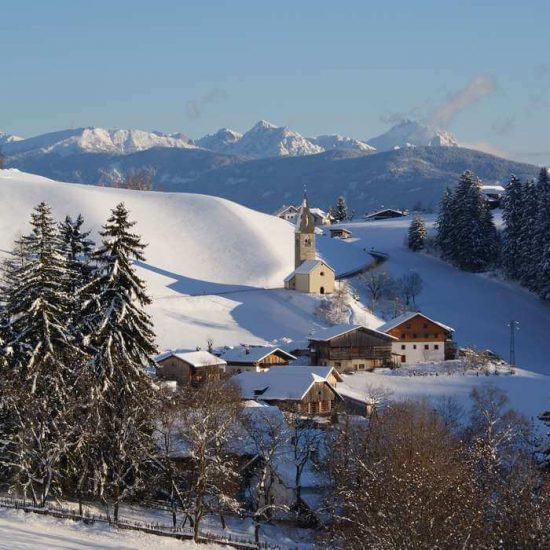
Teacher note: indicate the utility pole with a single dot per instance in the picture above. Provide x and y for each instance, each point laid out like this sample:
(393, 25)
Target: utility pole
(514, 325)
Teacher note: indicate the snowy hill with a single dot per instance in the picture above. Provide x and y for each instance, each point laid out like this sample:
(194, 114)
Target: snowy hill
(410, 133)
(8, 138)
(94, 140)
(208, 263)
(220, 141)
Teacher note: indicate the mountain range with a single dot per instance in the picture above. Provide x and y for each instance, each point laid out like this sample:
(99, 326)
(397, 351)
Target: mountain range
(268, 165)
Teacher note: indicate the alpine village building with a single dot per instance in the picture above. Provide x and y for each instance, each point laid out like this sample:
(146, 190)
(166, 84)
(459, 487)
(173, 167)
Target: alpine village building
(310, 274)
(189, 368)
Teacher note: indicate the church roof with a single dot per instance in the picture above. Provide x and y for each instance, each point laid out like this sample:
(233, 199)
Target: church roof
(307, 267)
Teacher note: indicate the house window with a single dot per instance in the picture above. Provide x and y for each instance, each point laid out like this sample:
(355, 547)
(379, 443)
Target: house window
(426, 346)
(436, 346)
(361, 365)
(414, 346)
(403, 346)
(402, 336)
(337, 364)
(322, 273)
(403, 359)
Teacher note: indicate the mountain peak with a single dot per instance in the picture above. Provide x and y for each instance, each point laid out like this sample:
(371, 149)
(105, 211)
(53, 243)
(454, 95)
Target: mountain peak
(264, 125)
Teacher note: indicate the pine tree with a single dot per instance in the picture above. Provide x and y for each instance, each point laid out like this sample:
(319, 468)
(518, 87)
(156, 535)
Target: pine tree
(40, 360)
(542, 236)
(513, 220)
(417, 234)
(444, 224)
(340, 211)
(121, 342)
(529, 255)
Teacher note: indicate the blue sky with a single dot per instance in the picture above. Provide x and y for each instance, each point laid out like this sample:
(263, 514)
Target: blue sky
(350, 67)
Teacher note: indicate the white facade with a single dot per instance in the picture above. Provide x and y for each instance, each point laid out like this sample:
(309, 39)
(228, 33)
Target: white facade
(419, 352)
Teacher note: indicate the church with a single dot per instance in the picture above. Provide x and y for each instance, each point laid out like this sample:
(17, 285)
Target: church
(310, 274)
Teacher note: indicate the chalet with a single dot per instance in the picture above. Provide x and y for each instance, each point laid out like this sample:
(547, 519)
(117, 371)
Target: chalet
(320, 217)
(419, 338)
(255, 358)
(385, 214)
(351, 348)
(191, 367)
(288, 213)
(340, 233)
(493, 194)
(301, 389)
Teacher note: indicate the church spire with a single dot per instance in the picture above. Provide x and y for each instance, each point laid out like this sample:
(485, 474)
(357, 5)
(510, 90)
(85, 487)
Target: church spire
(305, 222)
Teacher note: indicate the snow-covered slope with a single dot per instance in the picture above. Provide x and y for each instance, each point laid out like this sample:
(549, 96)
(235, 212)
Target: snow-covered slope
(220, 141)
(8, 138)
(95, 140)
(210, 262)
(410, 133)
(335, 141)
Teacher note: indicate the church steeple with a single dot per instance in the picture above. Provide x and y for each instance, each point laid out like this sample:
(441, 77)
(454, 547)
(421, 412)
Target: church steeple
(304, 237)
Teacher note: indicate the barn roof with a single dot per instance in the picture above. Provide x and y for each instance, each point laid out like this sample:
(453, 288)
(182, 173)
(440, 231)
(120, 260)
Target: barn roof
(253, 354)
(407, 316)
(280, 384)
(327, 334)
(196, 359)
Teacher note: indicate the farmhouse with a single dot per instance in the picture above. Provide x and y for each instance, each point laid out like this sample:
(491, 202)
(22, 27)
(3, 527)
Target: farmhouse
(351, 348)
(192, 367)
(385, 214)
(419, 338)
(310, 275)
(288, 213)
(320, 217)
(340, 233)
(255, 358)
(301, 389)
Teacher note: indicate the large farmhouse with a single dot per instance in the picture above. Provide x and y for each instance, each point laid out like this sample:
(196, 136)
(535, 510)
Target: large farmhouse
(419, 338)
(351, 348)
(191, 367)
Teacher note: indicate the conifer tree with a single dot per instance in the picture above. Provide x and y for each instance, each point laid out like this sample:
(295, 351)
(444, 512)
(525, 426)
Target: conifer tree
(340, 211)
(542, 236)
(39, 359)
(529, 255)
(513, 220)
(417, 234)
(120, 340)
(444, 224)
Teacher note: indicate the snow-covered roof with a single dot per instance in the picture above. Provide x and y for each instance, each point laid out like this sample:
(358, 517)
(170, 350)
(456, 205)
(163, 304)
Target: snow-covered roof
(197, 359)
(338, 330)
(407, 316)
(281, 383)
(318, 212)
(321, 372)
(492, 189)
(253, 354)
(309, 265)
(284, 209)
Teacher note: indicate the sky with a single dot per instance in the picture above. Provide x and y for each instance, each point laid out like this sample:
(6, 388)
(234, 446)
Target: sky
(480, 69)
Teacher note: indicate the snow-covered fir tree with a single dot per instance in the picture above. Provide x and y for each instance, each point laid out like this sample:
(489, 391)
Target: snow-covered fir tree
(444, 224)
(529, 255)
(513, 221)
(417, 234)
(120, 340)
(40, 357)
(542, 236)
(340, 211)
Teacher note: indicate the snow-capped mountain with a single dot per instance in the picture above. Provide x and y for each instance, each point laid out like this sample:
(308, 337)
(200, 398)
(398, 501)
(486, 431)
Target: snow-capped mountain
(220, 141)
(411, 133)
(335, 141)
(267, 140)
(8, 138)
(95, 140)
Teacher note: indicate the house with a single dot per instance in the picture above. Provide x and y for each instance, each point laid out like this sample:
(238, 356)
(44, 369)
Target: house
(305, 390)
(340, 233)
(310, 274)
(288, 213)
(493, 194)
(313, 277)
(192, 367)
(351, 348)
(328, 374)
(255, 358)
(419, 338)
(385, 214)
(320, 217)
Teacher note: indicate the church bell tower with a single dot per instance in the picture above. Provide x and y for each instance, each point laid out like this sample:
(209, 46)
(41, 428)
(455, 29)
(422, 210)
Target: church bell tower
(304, 236)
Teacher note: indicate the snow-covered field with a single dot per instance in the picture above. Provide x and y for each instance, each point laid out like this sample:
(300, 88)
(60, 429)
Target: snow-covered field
(209, 260)
(20, 531)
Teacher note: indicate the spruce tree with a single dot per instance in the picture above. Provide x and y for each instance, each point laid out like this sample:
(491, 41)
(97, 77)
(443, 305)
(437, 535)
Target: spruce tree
(120, 340)
(513, 220)
(417, 234)
(542, 236)
(40, 361)
(527, 248)
(444, 224)
(340, 211)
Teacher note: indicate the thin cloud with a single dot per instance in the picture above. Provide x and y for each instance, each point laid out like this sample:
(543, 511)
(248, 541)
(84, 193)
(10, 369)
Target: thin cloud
(477, 88)
(194, 108)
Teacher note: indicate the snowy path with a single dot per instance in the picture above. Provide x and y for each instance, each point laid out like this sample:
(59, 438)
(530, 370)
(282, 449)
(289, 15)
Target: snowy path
(478, 307)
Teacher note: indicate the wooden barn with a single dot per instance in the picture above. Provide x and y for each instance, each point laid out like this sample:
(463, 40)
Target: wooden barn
(306, 390)
(255, 358)
(340, 233)
(351, 348)
(189, 368)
